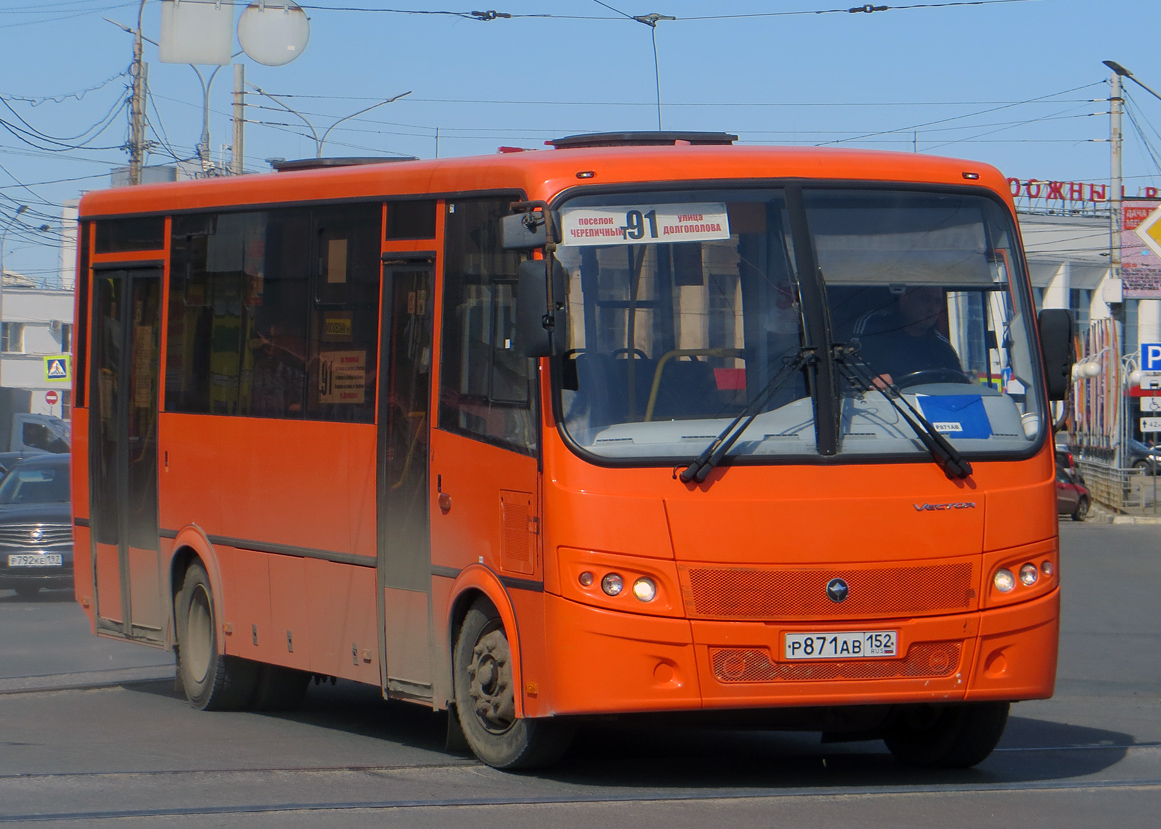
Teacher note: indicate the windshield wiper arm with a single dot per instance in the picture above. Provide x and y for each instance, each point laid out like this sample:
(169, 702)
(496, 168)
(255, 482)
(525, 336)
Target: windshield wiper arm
(713, 454)
(858, 374)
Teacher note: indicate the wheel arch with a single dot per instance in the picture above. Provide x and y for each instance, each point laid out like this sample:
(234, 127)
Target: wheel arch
(473, 583)
(190, 546)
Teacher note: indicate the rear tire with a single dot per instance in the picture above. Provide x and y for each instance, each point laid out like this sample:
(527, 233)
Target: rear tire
(1081, 511)
(486, 701)
(212, 680)
(955, 736)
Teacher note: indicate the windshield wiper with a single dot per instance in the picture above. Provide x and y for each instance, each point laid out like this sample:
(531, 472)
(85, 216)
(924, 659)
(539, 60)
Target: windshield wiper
(713, 454)
(859, 375)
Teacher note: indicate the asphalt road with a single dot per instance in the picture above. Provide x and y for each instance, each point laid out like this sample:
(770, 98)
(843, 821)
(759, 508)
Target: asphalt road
(92, 733)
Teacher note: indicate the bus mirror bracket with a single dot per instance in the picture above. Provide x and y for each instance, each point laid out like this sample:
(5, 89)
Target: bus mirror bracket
(528, 226)
(541, 321)
(1057, 350)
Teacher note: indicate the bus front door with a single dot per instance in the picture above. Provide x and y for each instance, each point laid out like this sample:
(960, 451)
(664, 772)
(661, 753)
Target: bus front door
(123, 452)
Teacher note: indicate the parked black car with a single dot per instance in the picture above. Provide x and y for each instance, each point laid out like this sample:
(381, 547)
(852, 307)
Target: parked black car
(36, 534)
(1142, 456)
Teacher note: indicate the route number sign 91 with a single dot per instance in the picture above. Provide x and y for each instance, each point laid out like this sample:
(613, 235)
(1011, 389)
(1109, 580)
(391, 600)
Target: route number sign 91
(642, 224)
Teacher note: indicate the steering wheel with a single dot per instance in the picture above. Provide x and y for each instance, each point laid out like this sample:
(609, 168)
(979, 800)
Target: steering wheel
(625, 352)
(932, 375)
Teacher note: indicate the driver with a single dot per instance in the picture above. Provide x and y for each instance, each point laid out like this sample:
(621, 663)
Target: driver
(904, 339)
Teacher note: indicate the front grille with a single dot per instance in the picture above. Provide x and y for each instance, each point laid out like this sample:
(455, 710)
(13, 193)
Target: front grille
(35, 536)
(923, 660)
(772, 593)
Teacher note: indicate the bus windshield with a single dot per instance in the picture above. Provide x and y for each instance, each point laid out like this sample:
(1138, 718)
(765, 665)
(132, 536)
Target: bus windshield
(683, 307)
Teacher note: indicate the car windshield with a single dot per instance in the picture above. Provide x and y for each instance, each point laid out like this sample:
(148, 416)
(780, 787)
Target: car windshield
(35, 485)
(683, 307)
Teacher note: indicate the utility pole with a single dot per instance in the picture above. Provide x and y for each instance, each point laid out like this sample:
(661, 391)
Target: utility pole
(1116, 138)
(237, 156)
(137, 104)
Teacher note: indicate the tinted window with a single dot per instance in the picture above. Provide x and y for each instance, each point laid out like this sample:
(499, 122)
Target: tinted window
(275, 313)
(411, 219)
(118, 235)
(487, 384)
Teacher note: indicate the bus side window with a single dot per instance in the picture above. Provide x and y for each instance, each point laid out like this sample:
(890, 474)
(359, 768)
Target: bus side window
(487, 386)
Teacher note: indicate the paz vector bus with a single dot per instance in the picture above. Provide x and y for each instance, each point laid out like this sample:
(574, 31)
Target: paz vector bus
(643, 423)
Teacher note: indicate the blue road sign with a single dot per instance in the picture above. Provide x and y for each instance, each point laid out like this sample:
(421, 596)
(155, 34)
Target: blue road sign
(1150, 356)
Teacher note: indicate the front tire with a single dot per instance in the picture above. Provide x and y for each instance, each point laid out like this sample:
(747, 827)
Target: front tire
(486, 701)
(955, 736)
(212, 680)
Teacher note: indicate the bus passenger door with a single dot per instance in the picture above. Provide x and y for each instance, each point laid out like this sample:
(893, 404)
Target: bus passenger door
(404, 542)
(123, 452)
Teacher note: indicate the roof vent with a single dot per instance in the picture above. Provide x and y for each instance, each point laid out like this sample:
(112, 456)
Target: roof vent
(283, 166)
(641, 139)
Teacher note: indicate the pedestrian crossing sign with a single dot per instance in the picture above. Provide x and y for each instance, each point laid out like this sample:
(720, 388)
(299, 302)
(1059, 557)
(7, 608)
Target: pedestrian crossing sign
(56, 369)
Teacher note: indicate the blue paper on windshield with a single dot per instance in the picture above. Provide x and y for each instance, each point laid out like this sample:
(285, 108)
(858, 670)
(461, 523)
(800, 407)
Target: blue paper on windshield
(957, 415)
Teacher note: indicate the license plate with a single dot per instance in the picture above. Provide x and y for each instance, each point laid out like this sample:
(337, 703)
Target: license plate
(856, 644)
(47, 560)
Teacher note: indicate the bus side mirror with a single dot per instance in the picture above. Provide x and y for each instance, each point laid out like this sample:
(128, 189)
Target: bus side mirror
(523, 230)
(539, 328)
(1056, 348)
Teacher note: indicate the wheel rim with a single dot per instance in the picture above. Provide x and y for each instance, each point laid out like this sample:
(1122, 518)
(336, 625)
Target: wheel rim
(490, 681)
(198, 647)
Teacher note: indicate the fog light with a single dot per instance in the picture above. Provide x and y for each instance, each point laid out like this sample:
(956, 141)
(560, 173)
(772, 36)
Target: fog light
(1046, 568)
(1004, 580)
(612, 584)
(645, 589)
(1029, 574)
(586, 579)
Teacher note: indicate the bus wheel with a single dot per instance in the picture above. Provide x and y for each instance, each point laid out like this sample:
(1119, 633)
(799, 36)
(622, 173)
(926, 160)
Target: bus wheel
(947, 736)
(212, 681)
(486, 702)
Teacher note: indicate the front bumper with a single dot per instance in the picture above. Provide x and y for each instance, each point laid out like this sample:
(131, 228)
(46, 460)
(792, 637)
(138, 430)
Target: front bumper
(612, 662)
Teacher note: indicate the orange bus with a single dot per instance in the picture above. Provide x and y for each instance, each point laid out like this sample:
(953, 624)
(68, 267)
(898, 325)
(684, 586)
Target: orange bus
(639, 424)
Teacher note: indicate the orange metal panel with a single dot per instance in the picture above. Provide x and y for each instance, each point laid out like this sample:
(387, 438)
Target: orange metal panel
(300, 483)
(245, 605)
(341, 625)
(1017, 651)
(600, 664)
(289, 617)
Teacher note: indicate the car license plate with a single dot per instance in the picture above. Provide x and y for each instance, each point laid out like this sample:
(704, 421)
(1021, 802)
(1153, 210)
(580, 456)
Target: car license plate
(47, 560)
(857, 644)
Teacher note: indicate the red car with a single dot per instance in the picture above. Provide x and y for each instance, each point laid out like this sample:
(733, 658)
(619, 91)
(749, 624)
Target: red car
(1072, 497)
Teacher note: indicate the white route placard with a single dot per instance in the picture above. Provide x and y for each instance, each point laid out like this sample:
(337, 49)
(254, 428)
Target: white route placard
(1151, 424)
(644, 224)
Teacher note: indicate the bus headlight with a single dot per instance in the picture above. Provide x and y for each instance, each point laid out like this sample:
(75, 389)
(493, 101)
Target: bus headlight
(645, 589)
(1029, 574)
(1004, 580)
(612, 584)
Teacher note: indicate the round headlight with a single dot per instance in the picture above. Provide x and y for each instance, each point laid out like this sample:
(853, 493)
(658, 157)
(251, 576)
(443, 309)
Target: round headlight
(1029, 574)
(586, 579)
(1046, 568)
(645, 589)
(612, 584)
(1004, 580)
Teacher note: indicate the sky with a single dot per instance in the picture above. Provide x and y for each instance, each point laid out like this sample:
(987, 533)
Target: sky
(1015, 83)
